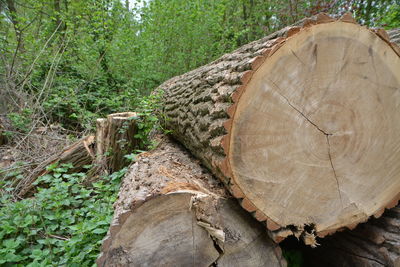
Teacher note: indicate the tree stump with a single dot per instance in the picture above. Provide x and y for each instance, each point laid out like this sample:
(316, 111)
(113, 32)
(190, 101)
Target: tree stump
(302, 126)
(115, 137)
(171, 212)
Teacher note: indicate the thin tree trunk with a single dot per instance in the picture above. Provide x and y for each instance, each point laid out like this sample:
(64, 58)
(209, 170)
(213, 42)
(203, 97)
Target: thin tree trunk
(19, 38)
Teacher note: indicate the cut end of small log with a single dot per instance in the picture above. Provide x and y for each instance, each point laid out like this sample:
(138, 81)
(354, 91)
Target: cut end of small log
(171, 212)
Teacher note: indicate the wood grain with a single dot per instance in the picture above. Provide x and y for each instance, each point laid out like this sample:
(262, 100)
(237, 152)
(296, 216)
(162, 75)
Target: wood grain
(314, 139)
(171, 212)
(301, 124)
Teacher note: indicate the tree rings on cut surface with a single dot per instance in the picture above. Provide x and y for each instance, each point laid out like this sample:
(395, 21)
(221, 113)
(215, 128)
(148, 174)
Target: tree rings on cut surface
(302, 125)
(171, 212)
(315, 135)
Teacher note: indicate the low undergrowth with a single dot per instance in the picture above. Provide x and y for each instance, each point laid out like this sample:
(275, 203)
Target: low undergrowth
(65, 220)
(62, 224)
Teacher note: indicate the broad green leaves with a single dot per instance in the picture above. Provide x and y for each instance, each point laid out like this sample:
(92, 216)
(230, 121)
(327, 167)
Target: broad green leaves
(63, 224)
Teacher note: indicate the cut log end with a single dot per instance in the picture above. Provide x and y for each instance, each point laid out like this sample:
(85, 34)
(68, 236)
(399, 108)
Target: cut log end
(307, 136)
(314, 137)
(142, 239)
(171, 213)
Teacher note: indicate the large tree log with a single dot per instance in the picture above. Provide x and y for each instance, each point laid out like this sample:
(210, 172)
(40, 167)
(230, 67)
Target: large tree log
(171, 212)
(302, 125)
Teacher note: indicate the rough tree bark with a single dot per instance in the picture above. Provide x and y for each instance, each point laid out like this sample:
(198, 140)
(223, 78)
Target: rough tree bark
(171, 212)
(394, 36)
(302, 125)
(115, 137)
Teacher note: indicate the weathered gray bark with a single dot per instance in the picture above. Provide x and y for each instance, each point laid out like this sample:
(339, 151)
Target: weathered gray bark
(115, 138)
(373, 244)
(171, 212)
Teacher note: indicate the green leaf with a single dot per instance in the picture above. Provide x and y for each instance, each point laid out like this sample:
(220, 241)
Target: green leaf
(99, 231)
(52, 166)
(11, 243)
(36, 253)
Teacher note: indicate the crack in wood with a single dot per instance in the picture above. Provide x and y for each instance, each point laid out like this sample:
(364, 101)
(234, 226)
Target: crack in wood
(334, 171)
(319, 129)
(305, 117)
(301, 113)
(220, 252)
(294, 54)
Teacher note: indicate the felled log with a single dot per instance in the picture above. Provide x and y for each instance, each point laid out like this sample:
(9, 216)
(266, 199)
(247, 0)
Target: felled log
(115, 137)
(79, 154)
(376, 243)
(171, 212)
(302, 126)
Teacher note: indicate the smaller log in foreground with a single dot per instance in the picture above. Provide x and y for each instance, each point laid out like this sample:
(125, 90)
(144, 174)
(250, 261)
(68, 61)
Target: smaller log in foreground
(79, 154)
(302, 126)
(171, 212)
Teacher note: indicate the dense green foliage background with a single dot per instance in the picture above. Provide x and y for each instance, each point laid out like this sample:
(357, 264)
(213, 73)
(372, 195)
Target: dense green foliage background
(70, 61)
